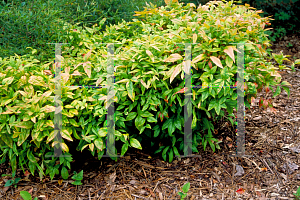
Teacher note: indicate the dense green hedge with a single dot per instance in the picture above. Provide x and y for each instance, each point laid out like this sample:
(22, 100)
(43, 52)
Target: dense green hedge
(35, 23)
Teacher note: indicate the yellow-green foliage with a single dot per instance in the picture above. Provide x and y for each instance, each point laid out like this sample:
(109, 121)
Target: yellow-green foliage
(149, 73)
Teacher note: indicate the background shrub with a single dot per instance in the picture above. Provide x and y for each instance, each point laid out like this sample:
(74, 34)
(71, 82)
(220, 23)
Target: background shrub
(35, 23)
(286, 15)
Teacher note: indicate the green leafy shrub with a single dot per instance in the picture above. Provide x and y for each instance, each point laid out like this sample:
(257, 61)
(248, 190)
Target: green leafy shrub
(284, 13)
(149, 86)
(36, 23)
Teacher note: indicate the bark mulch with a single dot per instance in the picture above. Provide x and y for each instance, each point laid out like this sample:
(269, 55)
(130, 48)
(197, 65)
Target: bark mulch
(270, 171)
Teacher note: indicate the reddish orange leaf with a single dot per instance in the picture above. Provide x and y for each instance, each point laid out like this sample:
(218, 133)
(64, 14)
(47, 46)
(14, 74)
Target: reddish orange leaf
(265, 103)
(261, 101)
(26, 173)
(240, 191)
(263, 169)
(182, 90)
(267, 89)
(252, 101)
(210, 65)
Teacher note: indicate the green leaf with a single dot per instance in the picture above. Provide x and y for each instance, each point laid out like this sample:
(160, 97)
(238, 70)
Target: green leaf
(231, 120)
(277, 92)
(9, 183)
(167, 123)
(177, 123)
(8, 80)
(159, 150)
(151, 119)
(156, 130)
(171, 128)
(204, 143)
(25, 195)
(146, 114)
(78, 177)
(228, 61)
(135, 143)
(298, 191)
(173, 140)
(285, 83)
(25, 125)
(142, 129)
(73, 122)
(31, 167)
(124, 149)
(170, 156)
(131, 116)
(166, 93)
(64, 173)
(181, 194)
(194, 149)
(212, 105)
(164, 153)
(204, 95)
(287, 90)
(176, 151)
(186, 187)
(99, 144)
(139, 122)
(129, 87)
(77, 183)
(30, 156)
(102, 132)
(211, 144)
(194, 121)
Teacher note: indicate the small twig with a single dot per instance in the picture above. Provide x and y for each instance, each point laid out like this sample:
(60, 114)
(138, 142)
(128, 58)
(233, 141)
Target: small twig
(138, 196)
(253, 162)
(62, 191)
(127, 195)
(263, 161)
(112, 167)
(266, 164)
(156, 186)
(102, 194)
(278, 176)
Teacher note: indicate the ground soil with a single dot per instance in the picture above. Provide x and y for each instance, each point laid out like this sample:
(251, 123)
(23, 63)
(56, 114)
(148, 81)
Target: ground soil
(270, 169)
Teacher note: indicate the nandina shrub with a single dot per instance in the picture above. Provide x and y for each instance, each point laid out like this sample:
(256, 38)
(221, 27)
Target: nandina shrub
(149, 67)
(153, 69)
(149, 85)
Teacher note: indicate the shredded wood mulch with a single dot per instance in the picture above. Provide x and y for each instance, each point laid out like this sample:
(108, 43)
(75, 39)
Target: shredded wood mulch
(269, 171)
